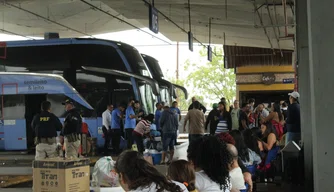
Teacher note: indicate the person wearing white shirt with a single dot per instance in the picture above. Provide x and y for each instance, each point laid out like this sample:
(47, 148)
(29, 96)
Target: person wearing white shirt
(106, 116)
(236, 176)
(106, 123)
(211, 175)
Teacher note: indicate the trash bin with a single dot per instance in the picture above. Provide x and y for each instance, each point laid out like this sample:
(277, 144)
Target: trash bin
(156, 156)
(292, 163)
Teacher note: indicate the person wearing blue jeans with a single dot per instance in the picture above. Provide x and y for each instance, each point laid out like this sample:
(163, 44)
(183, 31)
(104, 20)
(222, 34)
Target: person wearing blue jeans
(177, 111)
(293, 119)
(168, 124)
(116, 118)
(130, 123)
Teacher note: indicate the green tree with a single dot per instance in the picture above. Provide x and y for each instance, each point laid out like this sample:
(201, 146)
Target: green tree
(211, 81)
(183, 102)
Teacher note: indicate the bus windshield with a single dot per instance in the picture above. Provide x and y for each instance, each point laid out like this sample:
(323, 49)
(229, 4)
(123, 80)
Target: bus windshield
(137, 63)
(164, 94)
(148, 98)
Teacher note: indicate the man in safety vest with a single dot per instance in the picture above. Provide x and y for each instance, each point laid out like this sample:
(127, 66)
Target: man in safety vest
(72, 130)
(46, 125)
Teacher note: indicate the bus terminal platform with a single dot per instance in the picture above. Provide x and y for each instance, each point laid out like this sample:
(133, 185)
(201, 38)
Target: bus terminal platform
(16, 173)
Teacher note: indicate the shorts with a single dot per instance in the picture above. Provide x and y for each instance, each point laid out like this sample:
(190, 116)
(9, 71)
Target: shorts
(168, 140)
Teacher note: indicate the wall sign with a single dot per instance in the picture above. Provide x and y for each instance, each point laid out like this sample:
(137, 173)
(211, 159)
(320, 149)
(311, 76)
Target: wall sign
(268, 78)
(288, 81)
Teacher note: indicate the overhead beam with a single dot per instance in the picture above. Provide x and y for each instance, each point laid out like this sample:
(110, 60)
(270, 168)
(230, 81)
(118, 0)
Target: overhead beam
(272, 23)
(256, 11)
(121, 20)
(47, 19)
(275, 4)
(13, 33)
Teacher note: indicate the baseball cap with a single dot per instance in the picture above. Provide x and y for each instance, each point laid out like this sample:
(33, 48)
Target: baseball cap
(294, 94)
(67, 101)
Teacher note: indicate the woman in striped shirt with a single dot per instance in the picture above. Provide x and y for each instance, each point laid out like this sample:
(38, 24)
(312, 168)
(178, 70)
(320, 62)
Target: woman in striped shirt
(224, 119)
(142, 129)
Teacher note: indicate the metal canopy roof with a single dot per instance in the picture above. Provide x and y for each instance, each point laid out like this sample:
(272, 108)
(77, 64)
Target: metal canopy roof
(234, 22)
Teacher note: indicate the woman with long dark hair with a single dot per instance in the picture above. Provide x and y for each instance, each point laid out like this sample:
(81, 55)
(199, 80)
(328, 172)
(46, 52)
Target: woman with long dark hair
(211, 160)
(258, 134)
(136, 174)
(254, 152)
(240, 145)
(224, 119)
(270, 141)
(269, 136)
(276, 118)
(252, 141)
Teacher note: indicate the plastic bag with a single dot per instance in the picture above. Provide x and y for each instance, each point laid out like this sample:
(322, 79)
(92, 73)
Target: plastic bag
(104, 173)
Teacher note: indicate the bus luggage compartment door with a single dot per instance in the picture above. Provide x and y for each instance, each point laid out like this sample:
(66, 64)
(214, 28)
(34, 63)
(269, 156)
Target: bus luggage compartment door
(13, 122)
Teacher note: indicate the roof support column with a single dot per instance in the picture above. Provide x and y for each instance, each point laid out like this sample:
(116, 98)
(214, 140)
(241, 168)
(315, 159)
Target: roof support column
(303, 73)
(319, 100)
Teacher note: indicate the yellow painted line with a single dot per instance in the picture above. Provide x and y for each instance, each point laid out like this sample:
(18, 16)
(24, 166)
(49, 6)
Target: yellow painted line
(262, 87)
(266, 69)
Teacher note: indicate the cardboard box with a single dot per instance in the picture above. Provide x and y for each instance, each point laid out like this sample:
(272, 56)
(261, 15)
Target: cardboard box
(58, 175)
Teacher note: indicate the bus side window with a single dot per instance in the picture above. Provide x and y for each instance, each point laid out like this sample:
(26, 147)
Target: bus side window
(56, 104)
(13, 107)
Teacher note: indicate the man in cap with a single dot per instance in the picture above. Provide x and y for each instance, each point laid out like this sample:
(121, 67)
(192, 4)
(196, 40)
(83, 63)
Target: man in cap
(293, 119)
(212, 119)
(71, 130)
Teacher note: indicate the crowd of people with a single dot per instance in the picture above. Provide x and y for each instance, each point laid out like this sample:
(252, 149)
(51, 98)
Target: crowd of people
(241, 140)
(133, 125)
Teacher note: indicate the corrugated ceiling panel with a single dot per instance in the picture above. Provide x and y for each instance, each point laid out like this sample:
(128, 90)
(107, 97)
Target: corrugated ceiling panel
(237, 56)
